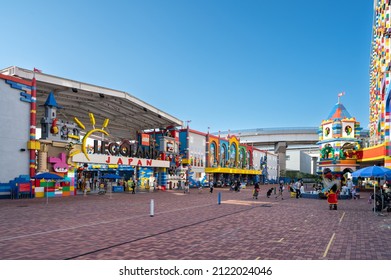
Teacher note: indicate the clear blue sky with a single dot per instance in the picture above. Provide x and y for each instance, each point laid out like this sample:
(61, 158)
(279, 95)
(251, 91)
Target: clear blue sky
(222, 64)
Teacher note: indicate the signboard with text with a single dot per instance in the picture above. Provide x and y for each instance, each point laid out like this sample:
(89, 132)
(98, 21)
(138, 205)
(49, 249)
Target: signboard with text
(109, 159)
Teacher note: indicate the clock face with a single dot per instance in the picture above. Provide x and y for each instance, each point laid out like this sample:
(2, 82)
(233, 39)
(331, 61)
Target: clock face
(327, 131)
(348, 130)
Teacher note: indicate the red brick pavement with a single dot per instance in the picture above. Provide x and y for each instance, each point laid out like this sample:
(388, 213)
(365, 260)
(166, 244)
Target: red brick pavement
(192, 227)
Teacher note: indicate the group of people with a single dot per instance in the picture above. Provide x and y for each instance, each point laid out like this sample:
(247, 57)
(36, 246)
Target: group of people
(257, 190)
(294, 187)
(88, 184)
(350, 189)
(186, 187)
(236, 186)
(297, 187)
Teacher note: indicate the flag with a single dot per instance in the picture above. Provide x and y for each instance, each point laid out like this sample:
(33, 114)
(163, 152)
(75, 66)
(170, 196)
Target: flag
(37, 70)
(341, 94)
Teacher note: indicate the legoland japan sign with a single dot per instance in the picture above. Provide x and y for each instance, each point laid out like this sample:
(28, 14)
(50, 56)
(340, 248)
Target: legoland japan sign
(124, 153)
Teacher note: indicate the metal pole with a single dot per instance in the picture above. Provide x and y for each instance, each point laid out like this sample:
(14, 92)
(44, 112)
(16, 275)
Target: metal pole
(382, 199)
(219, 198)
(151, 208)
(374, 198)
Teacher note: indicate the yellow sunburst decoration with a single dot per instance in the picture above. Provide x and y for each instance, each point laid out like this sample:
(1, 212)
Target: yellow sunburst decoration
(93, 130)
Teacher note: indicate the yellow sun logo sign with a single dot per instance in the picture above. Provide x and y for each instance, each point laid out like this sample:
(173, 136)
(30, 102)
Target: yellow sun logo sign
(93, 130)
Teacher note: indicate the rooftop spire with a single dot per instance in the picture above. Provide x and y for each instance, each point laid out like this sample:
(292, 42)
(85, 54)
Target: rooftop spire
(51, 101)
(339, 95)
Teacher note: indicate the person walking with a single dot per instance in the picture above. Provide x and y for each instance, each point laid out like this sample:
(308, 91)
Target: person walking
(199, 187)
(256, 190)
(269, 192)
(186, 188)
(133, 186)
(211, 186)
(280, 191)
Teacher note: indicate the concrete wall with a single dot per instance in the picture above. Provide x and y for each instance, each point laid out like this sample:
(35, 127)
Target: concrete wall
(299, 161)
(272, 166)
(305, 163)
(257, 155)
(15, 133)
(293, 160)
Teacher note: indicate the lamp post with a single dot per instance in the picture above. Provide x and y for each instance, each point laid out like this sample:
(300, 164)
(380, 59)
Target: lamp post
(187, 149)
(207, 159)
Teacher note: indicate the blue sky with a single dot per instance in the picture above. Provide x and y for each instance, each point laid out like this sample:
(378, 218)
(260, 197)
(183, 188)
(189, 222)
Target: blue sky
(222, 64)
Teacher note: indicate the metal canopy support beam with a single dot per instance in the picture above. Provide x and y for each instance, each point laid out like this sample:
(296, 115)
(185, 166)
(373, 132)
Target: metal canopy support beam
(127, 113)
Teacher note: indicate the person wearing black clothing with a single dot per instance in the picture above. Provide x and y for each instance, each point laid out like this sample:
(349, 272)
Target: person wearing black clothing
(256, 190)
(134, 187)
(237, 186)
(211, 186)
(297, 187)
(280, 191)
(269, 192)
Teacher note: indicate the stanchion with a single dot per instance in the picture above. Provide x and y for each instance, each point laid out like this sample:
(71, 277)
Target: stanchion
(219, 198)
(152, 205)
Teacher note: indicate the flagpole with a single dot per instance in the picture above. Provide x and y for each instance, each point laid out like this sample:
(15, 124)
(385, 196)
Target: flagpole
(340, 94)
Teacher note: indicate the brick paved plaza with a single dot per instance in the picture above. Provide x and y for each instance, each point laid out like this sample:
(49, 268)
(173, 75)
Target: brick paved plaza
(192, 227)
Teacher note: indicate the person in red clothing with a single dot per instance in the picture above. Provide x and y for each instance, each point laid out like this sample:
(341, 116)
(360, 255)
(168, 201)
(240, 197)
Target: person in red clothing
(332, 197)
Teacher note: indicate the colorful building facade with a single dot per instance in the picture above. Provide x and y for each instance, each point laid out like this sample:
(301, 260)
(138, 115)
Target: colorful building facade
(379, 151)
(339, 142)
(161, 157)
(212, 158)
(63, 147)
